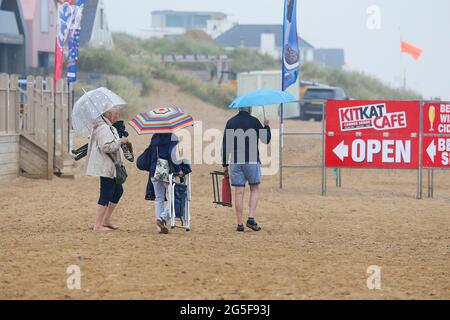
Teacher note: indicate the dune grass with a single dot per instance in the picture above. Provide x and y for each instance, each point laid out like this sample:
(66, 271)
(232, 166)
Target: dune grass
(134, 58)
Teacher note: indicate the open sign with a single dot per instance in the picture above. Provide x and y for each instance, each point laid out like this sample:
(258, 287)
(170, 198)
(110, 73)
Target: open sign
(389, 140)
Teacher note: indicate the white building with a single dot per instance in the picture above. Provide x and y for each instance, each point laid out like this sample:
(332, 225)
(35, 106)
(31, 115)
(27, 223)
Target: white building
(175, 23)
(95, 30)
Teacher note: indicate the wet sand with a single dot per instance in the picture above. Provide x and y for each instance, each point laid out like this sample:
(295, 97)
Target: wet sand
(311, 247)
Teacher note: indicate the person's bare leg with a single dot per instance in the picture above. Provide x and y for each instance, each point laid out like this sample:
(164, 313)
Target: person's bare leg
(107, 218)
(239, 204)
(253, 203)
(101, 211)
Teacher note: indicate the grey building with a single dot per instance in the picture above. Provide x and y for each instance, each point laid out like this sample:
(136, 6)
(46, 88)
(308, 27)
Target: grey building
(13, 38)
(267, 39)
(330, 58)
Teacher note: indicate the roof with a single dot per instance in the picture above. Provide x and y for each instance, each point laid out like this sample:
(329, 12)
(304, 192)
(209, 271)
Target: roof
(191, 13)
(87, 23)
(9, 30)
(250, 36)
(8, 23)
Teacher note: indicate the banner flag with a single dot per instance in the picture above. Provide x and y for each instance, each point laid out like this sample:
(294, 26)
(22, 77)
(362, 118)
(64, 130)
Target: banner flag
(74, 41)
(412, 50)
(64, 21)
(291, 51)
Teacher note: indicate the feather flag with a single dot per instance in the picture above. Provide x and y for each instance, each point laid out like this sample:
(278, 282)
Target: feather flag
(74, 41)
(291, 51)
(410, 49)
(65, 17)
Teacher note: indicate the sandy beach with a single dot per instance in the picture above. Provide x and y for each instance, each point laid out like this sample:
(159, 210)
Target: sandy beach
(311, 247)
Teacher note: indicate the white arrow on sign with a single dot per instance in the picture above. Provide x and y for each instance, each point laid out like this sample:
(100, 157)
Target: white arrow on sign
(432, 151)
(341, 151)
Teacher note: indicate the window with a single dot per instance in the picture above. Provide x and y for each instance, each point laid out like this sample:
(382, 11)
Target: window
(45, 15)
(52, 18)
(175, 21)
(200, 22)
(319, 94)
(43, 59)
(340, 94)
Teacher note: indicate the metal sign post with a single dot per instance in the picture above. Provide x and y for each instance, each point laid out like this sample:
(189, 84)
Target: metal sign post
(324, 168)
(321, 134)
(435, 149)
(420, 170)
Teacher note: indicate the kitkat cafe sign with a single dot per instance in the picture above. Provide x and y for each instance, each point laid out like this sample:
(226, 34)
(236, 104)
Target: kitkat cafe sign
(372, 134)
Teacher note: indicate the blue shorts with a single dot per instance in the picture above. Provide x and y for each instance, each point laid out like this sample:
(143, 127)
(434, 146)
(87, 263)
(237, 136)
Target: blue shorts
(110, 192)
(243, 173)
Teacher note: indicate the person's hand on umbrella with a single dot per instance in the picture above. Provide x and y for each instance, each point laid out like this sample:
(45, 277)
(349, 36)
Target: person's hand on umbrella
(266, 122)
(123, 140)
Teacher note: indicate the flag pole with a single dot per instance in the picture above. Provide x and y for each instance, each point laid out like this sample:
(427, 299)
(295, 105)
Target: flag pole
(402, 59)
(69, 114)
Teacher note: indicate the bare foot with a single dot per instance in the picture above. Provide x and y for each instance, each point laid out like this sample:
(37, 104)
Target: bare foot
(111, 226)
(99, 229)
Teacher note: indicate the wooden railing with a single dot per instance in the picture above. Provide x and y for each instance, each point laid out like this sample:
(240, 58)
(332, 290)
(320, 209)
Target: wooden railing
(9, 104)
(39, 115)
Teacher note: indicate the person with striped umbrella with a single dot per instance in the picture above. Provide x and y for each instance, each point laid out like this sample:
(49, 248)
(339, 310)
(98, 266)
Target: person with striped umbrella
(158, 158)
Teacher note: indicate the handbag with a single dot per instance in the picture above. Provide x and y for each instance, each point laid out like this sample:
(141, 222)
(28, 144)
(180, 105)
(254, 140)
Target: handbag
(143, 161)
(121, 171)
(162, 170)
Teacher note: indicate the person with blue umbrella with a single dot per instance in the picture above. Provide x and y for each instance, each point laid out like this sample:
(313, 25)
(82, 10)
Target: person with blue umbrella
(240, 149)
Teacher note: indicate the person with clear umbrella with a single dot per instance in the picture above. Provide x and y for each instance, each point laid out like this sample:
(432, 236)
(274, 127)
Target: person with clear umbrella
(96, 112)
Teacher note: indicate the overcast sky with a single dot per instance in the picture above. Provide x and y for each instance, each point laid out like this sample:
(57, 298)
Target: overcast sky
(337, 24)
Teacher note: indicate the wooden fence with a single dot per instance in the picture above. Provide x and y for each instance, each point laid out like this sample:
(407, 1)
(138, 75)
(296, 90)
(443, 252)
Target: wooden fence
(40, 116)
(9, 104)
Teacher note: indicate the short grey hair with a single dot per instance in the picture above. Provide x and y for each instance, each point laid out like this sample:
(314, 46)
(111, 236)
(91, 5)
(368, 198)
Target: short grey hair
(110, 111)
(247, 109)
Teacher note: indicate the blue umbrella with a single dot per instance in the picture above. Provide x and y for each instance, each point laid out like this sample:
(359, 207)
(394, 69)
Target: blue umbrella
(262, 97)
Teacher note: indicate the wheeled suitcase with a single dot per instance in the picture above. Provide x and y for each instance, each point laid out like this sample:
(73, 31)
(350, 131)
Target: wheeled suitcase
(179, 201)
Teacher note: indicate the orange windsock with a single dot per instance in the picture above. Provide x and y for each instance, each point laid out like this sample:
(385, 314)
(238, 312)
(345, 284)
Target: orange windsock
(412, 50)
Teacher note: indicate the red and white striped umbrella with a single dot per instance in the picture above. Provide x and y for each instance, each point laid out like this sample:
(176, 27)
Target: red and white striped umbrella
(161, 120)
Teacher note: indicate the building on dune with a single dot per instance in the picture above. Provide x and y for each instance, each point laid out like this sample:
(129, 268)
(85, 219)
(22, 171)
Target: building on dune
(268, 39)
(329, 58)
(169, 23)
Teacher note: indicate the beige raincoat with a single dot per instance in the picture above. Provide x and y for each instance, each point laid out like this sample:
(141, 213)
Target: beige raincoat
(104, 140)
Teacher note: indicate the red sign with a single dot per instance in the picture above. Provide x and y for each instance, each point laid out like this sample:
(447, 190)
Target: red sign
(436, 118)
(436, 152)
(372, 134)
(436, 122)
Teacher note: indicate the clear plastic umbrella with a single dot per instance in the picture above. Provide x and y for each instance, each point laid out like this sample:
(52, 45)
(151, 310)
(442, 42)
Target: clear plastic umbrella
(91, 106)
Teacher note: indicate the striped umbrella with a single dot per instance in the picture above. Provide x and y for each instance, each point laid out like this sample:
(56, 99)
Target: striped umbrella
(161, 120)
